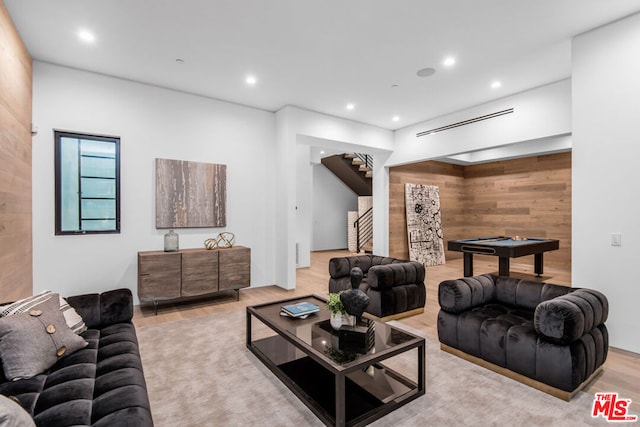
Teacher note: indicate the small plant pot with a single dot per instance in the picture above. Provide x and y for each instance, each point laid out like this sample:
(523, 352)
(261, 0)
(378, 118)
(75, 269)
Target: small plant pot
(336, 320)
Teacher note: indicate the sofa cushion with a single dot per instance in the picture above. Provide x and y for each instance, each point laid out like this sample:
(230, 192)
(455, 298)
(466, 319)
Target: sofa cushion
(526, 293)
(107, 308)
(341, 266)
(32, 342)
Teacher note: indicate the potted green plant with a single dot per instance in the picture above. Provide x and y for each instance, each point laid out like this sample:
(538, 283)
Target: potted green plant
(337, 310)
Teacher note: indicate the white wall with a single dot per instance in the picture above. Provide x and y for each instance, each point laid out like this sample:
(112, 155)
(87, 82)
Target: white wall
(538, 114)
(304, 204)
(295, 126)
(606, 103)
(152, 122)
(332, 199)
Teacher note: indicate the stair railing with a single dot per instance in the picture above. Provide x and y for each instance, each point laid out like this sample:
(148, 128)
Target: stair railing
(364, 229)
(367, 159)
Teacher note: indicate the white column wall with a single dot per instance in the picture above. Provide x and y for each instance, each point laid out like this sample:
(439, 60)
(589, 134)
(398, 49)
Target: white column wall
(304, 204)
(606, 102)
(152, 122)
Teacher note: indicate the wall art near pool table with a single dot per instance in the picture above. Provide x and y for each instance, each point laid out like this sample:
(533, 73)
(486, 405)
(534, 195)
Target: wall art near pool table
(424, 224)
(190, 194)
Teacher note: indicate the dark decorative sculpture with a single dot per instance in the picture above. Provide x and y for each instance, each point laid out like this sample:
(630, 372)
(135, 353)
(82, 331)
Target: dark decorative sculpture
(354, 300)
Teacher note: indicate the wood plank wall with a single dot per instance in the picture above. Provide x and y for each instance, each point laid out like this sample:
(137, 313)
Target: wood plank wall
(16, 275)
(450, 180)
(528, 197)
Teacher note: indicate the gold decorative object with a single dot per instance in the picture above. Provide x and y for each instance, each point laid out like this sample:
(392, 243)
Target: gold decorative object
(222, 240)
(211, 243)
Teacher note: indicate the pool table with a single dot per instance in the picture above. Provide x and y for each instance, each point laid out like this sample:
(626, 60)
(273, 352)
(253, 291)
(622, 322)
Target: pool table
(504, 247)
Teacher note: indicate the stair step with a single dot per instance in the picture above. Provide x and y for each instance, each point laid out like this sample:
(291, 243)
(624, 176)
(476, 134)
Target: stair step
(357, 162)
(364, 168)
(348, 156)
(369, 174)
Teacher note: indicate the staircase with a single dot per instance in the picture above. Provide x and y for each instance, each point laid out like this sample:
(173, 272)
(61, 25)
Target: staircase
(364, 232)
(354, 169)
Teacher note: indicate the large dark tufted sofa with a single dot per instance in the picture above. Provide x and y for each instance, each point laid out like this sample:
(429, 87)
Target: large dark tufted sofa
(548, 336)
(99, 385)
(395, 287)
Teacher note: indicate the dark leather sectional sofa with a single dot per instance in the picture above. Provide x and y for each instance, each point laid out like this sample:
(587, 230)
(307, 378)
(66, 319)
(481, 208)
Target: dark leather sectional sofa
(395, 287)
(548, 336)
(100, 385)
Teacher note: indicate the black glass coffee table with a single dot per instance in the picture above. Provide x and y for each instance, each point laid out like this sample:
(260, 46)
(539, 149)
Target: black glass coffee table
(348, 377)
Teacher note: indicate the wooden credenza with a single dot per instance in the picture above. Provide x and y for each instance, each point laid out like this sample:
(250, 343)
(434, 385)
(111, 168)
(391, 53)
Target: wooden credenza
(192, 272)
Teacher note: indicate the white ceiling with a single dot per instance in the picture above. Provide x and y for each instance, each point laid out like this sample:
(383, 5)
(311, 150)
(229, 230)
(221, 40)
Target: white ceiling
(321, 54)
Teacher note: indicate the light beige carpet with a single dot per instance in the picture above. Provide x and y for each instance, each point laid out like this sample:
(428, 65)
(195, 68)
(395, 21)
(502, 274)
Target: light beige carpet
(199, 373)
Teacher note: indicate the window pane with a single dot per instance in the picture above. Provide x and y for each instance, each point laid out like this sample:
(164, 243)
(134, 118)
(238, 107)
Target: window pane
(98, 148)
(70, 203)
(98, 209)
(98, 188)
(98, 166)
(98, 225)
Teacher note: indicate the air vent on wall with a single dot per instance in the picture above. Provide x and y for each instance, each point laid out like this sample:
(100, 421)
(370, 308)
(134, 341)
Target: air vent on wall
(465, 122)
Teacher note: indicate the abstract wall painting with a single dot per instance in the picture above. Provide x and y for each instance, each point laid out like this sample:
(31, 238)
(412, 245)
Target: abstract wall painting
(190, 194)
(424, 224)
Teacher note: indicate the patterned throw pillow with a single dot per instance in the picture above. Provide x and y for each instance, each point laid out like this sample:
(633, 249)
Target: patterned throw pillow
(73, 319)
(32, 342)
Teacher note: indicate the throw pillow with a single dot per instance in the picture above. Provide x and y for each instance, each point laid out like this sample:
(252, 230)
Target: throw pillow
(73, 319)
(32, 342)
(13, 415)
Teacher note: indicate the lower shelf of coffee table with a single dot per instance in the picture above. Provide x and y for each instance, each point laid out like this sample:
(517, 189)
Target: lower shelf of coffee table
(370, 391)
(319, 384)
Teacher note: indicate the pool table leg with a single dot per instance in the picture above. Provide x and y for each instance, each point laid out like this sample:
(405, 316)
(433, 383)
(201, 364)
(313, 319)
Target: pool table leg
(468, 264)
(538, 264)
(503, 266)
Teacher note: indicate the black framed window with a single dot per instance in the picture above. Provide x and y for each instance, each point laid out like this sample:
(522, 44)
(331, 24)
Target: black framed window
(87, 183)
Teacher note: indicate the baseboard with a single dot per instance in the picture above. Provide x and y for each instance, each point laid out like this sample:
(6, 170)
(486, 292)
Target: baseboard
(397, 315)
(556, 392)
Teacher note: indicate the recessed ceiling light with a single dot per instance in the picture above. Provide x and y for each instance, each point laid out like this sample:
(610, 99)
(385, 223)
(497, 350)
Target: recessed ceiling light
(496, 84)
(86, 36)
(351, 106)
(396, 118)
(426, 72)
(449, 61)
(251, 80)
(321, 151)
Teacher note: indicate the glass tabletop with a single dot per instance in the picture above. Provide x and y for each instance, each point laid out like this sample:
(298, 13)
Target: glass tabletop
(351, 343)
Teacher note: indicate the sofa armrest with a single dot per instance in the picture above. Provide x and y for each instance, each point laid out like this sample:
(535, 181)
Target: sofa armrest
(456, 296)
(566, 318)
(395, 274)
(107, 308)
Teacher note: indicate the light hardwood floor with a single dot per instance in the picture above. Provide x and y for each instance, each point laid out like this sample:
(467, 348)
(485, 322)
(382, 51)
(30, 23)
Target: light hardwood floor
(621, 371)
